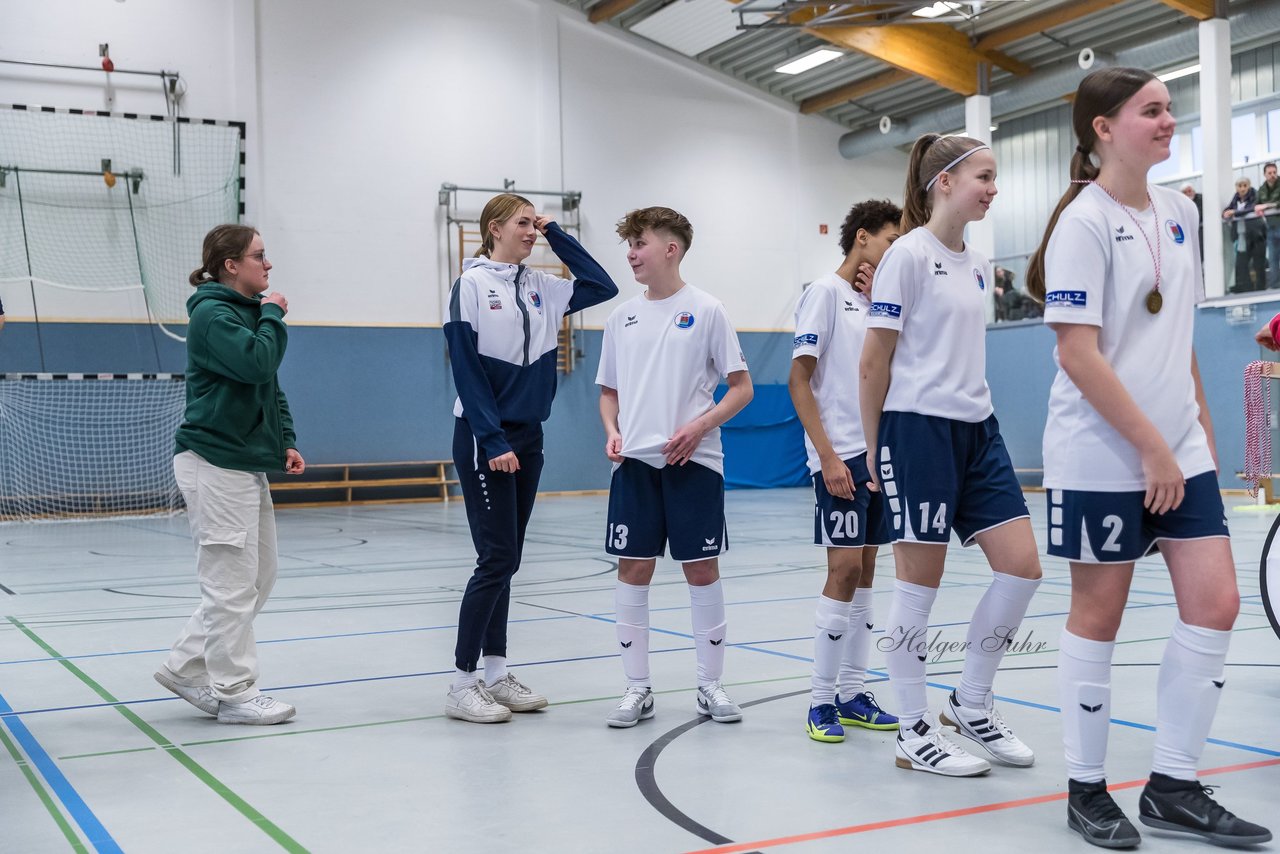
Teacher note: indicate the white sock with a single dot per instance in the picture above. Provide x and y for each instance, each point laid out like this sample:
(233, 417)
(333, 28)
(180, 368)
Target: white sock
(1084, 689)
(495, 667)
(907, 638)
(707, 610)
(1187, 693)
(991, 630)
(463, 679)
(857, 650)
(631, 606)
(832, 623)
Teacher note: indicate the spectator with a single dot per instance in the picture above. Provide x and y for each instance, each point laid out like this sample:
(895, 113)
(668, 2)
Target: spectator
(1190, 192)
(1269, 206)
(1250, 237)
(999, 291)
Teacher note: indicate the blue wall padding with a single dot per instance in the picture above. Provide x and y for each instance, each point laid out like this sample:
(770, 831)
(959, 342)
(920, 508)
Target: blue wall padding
(764, 443)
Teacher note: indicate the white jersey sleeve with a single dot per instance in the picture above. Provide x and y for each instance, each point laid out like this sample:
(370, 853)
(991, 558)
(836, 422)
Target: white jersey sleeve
(893, 290)
(1076, 266)
(607, 373)
(726, 351)
(815, 319)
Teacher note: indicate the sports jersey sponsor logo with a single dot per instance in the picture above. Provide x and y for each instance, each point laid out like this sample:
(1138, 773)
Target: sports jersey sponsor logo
(885, 309)
(1121, 236)
(848, 306)
(1175, 231)
(631, 321)
(809, 339)
(937, 269)
(1066, 299)
(684, 320)
(535, 299)
(495, 302)
(709, 547)
(977, 277)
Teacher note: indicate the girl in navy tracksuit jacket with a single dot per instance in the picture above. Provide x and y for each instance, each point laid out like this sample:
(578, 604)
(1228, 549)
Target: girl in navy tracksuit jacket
(502, 330)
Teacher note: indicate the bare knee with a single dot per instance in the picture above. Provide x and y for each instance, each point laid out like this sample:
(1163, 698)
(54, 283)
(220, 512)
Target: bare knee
(702, 572)
(636, 572)
(1218, 611)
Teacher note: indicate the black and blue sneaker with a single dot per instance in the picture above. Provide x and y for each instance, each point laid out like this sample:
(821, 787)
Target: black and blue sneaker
(863, 711)
(1093, 814)
(1184, 806)
(824, 724)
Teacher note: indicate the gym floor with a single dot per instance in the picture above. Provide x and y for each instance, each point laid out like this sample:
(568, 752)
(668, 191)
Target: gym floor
(359, 636)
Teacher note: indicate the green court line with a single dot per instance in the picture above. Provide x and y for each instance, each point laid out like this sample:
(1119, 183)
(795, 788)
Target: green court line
(107, 753)
(264, 824)
(43, 794)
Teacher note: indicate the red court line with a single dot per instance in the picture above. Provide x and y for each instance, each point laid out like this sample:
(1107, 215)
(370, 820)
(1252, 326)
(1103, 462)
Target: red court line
(958, 813)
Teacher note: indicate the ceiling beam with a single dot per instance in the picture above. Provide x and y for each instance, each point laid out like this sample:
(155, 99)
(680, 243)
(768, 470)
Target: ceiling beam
(853, 91)
(933, 51)
(1030, 26)
(1201, 10)
(609, 9)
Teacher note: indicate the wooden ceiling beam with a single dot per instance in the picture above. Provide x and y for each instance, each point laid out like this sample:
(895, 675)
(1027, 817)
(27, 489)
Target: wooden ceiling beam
(933, 51)
(609, 10)
(1064, 14)
(1201, 10)
(853, 91)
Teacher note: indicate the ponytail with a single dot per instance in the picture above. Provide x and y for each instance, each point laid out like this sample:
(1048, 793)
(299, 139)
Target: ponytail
(1083, 171)
(931, 155)
(499, 209)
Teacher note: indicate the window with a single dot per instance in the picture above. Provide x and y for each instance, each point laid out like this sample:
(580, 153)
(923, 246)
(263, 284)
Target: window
(1244, 138)
(1273, 130)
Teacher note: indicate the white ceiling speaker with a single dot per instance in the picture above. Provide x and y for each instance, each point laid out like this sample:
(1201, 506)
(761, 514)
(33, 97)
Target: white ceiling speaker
(886, 124)
(1086, 58)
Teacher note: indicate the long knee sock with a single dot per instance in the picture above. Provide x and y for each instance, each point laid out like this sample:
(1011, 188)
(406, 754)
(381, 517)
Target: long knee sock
(906, 641)
(631, 606)
(707, 609)
(1084, 689)
(857, 650)
(1187, 692)
(992, 628)
(832, 623)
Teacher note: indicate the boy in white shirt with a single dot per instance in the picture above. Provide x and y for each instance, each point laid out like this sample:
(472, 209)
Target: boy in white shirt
(664, 352)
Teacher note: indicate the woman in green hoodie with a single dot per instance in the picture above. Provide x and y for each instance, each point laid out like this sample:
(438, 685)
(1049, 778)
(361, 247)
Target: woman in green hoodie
(236, 427)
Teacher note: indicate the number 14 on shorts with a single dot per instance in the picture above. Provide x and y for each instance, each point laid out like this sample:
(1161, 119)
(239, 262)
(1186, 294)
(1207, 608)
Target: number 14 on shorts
(939, 521)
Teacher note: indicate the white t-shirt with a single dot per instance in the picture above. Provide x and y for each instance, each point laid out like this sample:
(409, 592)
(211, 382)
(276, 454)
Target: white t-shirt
(665, 358)
(1098, 272)
(936, 300)
(831, 324)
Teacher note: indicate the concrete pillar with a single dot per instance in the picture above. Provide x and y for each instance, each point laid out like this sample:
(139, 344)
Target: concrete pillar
(1215, 130)
(980, 235)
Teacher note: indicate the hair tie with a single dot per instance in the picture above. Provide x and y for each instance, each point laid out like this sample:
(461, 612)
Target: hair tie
(1082, 150)
(952, 165)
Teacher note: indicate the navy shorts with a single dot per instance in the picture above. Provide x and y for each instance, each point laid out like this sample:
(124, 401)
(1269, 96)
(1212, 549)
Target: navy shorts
(680, 505)
(844, 524)
(1114, 527)
(938, 474)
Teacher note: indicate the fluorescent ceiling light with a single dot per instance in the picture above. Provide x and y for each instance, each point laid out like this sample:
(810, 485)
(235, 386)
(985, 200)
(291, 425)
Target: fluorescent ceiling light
(936, 10)
(1181, 72)
(809, 60)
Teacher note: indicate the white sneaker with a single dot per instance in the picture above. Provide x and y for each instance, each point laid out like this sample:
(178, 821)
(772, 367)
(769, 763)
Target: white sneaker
(713, 701)
(473, 703)
(636, 706)
(988, 728)
(515, 695)
(927, 748)
(260, 711)
(200, 696)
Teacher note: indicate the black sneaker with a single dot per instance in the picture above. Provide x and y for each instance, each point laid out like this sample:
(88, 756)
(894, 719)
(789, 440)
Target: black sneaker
(1094, 815)
(1185, 806)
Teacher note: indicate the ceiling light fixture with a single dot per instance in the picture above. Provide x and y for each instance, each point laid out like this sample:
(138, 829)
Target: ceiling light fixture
(1181, 72)
(936, 10)
(810, 60)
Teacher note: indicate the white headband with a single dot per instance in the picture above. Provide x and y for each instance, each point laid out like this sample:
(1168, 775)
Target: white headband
(951, 165)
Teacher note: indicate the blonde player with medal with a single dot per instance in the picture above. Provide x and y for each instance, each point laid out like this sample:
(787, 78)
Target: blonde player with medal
(1129, 463)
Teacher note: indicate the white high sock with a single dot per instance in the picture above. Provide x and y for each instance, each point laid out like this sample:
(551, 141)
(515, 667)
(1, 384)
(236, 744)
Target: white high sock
(1084, 689)
(857, 650)
(495, 667)
(992, 629)
(707, 614)
(832, 622)
(631, 606)
(463, 679)
(1187, 693)
(907, 638)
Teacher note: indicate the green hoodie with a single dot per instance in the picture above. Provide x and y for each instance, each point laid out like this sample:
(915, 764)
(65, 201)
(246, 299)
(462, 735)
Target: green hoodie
(237, 416)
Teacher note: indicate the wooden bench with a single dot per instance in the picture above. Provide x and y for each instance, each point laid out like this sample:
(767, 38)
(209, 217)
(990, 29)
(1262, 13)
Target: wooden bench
(366, 483)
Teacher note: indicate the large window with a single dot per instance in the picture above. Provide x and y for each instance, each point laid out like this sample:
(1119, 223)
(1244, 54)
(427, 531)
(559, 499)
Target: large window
(1273, 130)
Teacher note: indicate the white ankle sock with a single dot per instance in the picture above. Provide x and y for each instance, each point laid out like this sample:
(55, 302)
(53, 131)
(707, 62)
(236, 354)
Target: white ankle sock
(707, 613)
(463, 679)
(857, 650)
(992, 628)
(829, 640)
(631, 606)
(1187, 693)
(495, 667)
(1084, 689)
(907, 638)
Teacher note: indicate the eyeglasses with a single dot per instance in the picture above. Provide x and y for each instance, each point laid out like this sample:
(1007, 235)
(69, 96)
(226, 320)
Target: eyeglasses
(260, 256)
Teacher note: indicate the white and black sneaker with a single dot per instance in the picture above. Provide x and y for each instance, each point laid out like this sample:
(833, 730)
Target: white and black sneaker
(713, 701)
(1092, 813)
(636, 706)
(926, 748)
(987, 727)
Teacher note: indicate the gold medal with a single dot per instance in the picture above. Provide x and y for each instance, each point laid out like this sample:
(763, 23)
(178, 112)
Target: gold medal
(1154, 302)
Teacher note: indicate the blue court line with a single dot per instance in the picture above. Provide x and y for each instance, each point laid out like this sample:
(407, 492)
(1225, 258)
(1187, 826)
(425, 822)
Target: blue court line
(97, 835)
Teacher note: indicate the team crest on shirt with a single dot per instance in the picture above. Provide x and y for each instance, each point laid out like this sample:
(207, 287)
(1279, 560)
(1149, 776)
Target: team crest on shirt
(1175, 231)
(684, 320)
(535, 299)
(937, 269)
(495, 302)
(977, 277)
(1066, 299)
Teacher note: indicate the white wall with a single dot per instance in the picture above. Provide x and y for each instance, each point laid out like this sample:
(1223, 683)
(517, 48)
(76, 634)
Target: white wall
(358, 112)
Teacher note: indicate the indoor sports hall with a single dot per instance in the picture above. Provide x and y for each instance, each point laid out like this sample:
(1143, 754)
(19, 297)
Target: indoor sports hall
(364, 144)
